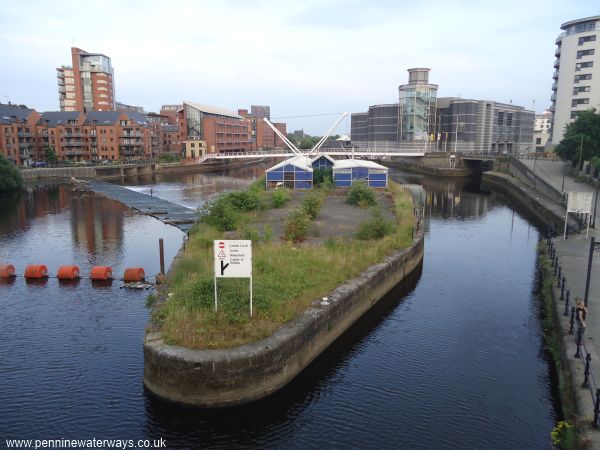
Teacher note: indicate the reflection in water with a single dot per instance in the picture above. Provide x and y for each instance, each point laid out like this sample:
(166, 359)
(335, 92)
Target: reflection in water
(453, 358)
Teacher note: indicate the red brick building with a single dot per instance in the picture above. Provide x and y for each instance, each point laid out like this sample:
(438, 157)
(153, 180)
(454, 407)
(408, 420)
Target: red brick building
(88, 84)
(18, 134)
(262, 135)
(223, 130)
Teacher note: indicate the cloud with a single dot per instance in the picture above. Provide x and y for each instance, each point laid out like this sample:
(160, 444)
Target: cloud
(300, 57)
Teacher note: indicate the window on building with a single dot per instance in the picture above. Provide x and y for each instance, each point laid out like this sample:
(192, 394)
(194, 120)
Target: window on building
(578, 78)
(580, 101)
(501, 118)
(574, 114)
(578, 89)
(583, 65)
(538, 141)
(509, 119)
(584, 39)
(582, 53)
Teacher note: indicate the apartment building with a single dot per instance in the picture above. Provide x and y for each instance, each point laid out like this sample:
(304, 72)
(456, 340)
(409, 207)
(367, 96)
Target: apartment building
(87, 84)
(541, 130)
(17, 133)
(261, 134)
(221, 129)
(576, 85)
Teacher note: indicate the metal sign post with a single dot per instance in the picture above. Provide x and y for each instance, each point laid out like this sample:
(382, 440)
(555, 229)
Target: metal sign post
(233, 259)
(578, 202)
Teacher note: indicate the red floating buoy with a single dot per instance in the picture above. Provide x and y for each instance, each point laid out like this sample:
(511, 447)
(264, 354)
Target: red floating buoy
(101, 273)
(7, 271)
(134, 274)
(68, 273)
(36, 271)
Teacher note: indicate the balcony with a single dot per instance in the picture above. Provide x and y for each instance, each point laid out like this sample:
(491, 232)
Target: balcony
(130, 135)
(61, 88)
(554, 86)
(557, 51)
(24, 154)
(26, 145)
(73, 135)
(73, 144)
(75, 152)
(24, 134)
(553, 97)
(552, 108)
(555, 75)
(557, 62)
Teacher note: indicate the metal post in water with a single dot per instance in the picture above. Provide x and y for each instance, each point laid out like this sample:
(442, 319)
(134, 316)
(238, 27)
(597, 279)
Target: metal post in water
(162, 256)
(586, 372)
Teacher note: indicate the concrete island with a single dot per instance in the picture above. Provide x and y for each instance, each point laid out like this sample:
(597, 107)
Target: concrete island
(338, 258)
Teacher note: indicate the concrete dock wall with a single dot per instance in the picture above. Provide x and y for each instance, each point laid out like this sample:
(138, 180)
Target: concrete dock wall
(227, 377)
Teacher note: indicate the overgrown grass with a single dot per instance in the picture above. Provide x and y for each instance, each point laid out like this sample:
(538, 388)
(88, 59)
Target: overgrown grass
(374, 228)
(565, 433)
(287, 278)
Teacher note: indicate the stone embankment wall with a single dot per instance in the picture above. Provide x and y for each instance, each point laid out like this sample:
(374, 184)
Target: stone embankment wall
(226, 377)
(543, 212)
(422, 165)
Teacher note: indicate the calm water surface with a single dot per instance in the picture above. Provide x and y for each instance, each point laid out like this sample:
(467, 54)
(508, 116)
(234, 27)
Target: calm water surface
(452, 358)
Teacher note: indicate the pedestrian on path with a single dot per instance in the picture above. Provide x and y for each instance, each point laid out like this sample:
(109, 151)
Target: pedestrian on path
(581, 313)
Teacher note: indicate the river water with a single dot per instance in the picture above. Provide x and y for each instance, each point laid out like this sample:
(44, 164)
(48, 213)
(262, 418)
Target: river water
(452, 358)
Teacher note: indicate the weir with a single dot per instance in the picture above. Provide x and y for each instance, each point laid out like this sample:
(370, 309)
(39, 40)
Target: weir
(165, 211)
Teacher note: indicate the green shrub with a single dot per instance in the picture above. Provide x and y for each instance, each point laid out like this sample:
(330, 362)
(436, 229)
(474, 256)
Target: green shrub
(168, 158)
(322, 175)
(280, 197)
(268, 233)
(361, 195)
(296, 225)
(244, 201)
(221, 214)
(10, 177)
(374, 228)
(312, 204)
(251, 234)
(564, 436)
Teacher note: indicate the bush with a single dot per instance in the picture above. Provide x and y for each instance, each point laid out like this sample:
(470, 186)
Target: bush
(10, 177)
(168, 158)
(374, 228)
(322, 175)
(361, 195)
(312, 204)
(244, 201)
(280, 197)
(296, 225)
(221, 214)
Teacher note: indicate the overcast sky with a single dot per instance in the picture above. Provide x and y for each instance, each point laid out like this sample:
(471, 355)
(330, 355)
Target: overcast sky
(300, 57)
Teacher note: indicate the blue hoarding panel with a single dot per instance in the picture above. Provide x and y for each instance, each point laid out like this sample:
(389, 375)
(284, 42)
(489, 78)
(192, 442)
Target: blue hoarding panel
(343, 183)
(377, 176)
(377, 183)
(275, 176)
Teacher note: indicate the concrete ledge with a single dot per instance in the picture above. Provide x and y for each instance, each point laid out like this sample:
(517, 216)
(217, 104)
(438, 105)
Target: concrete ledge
(426, 170)
(525, 198)
(227, 377)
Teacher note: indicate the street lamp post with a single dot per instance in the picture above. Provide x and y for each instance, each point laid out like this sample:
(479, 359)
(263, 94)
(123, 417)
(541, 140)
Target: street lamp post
(593, 246)
(596, 201)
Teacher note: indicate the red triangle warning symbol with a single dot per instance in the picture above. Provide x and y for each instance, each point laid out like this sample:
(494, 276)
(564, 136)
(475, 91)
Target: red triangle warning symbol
(221, 254)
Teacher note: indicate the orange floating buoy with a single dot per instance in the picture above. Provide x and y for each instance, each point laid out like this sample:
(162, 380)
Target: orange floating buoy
(36, 271)
(101, 273)
(134, 274)
(67, 273)
(7, 271)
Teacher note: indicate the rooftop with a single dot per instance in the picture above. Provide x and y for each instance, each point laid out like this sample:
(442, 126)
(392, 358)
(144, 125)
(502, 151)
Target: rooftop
(213, 110)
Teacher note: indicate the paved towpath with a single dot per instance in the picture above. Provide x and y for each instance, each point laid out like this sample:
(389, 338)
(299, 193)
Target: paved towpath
(165, 211)
(573, 256)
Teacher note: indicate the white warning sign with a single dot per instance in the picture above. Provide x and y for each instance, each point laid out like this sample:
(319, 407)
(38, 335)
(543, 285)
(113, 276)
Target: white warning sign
(233, 258)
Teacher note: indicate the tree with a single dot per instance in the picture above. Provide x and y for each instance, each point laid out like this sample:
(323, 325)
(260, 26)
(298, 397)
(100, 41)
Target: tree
(10, 178)
(49, 154)
(581, 141)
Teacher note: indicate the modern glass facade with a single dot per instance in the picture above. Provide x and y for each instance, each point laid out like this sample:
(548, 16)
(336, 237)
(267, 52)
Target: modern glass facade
(416, 107)
(194, 120)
